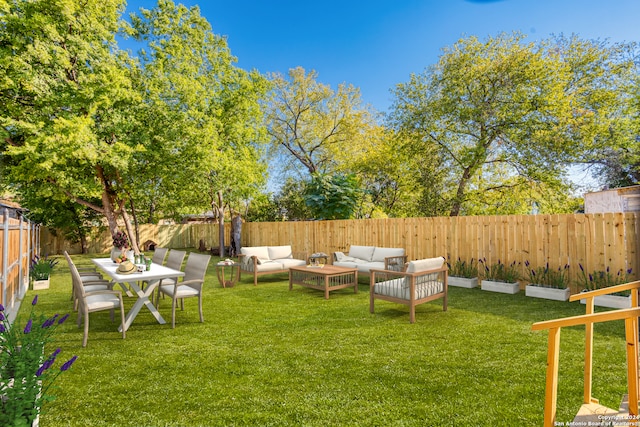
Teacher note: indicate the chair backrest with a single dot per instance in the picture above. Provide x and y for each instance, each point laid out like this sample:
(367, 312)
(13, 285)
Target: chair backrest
(196, 266)
(159, 254)
(175, 258)
(76, 281)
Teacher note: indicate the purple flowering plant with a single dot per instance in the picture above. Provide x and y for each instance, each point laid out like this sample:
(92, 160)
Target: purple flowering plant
(26, 372)
(548, 277)
(121, 240)
(500, 272)
(599, 279)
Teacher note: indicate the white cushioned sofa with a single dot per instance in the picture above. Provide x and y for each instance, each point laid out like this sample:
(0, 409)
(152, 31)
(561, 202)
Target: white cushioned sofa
(366, 258)
(259, 260)
(423, 281)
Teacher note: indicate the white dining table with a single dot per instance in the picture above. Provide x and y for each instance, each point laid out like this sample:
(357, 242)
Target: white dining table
(153, 277)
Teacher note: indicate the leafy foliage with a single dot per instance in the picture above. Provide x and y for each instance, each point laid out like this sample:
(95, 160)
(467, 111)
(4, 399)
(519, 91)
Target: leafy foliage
(332, 197)
(504, 118)
(599, 279)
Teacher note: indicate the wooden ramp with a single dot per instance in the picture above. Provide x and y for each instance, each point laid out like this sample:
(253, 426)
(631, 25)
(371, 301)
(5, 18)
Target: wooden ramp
(594, 414)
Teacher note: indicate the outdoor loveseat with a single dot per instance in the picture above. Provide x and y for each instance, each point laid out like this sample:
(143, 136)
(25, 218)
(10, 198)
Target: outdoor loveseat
(366, 258)
(259, 260)
(423, 281)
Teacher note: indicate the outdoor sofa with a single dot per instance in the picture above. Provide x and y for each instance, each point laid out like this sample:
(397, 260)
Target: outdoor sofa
(366, 258)
(259, 260)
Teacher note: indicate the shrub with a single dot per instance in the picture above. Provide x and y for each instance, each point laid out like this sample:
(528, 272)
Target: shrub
(41, 268)
(464, 269)
(547, 277)
(500, 272)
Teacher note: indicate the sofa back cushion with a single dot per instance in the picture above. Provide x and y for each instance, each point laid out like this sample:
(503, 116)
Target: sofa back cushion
(280, 252)
(379, 254)
(424, 265)
(261, 252)
(362, 252)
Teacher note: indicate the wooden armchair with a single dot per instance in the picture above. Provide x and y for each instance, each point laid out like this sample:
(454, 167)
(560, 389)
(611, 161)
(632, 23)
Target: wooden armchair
(422, 281)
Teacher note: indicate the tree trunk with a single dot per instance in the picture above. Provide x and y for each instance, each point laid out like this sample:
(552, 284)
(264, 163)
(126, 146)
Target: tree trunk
(130, 231)
(220, 211)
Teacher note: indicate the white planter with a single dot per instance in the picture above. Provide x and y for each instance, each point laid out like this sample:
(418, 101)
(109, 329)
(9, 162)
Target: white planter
(463, 282)
(40, 284)
(547, 293)
(611, 301)
(503, 287)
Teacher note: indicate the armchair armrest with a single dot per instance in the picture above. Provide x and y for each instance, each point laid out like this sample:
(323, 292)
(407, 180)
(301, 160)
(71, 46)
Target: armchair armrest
(395, 263)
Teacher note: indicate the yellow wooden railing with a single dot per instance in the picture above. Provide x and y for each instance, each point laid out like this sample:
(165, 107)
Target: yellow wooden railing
(629, 315)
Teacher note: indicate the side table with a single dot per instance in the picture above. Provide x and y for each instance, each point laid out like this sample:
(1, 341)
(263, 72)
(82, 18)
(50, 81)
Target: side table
(318, 258)
(228, 274)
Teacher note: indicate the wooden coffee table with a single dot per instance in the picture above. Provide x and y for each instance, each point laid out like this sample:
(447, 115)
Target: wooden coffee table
(326, 278)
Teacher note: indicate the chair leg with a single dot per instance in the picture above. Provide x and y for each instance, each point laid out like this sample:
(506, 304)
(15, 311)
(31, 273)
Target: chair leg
(86, 329)
(173, 312)
(124, 333)
(200, 307)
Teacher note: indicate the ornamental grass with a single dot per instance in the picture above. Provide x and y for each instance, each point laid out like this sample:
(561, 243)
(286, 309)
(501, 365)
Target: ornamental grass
(267, 356)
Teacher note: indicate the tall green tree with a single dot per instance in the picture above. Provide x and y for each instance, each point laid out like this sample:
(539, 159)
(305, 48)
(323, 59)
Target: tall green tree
(502, 116)
(209, 106)
(85, 122)
(65, 93)
(310, 124)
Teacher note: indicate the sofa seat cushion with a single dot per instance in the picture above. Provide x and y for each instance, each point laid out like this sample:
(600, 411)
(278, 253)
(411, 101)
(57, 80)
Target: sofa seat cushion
(362, 266)
(396, 288)
(290, 262)
(379, 254)
(269, 266)
(362, 252)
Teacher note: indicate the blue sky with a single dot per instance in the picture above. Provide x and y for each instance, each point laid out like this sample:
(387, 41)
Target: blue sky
(376, 44)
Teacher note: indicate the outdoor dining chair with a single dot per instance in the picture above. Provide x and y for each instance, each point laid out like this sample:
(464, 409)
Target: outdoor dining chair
(190, 286)
(91, 279)
(91, 301)
(159, 254)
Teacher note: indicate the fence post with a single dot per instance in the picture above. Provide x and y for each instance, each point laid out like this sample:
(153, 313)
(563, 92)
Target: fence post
(5, 255)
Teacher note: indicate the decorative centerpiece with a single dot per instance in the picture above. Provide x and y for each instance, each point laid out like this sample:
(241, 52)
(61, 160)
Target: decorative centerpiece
(120, 246)
(227, 261)
(500, 277)
(548, 283)
(463, 274)
(25, 373)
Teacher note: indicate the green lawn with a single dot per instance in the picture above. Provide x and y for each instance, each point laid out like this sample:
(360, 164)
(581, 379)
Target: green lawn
(269, 356)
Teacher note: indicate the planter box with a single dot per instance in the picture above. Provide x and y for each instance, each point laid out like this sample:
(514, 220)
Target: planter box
(611, 301)
(463, 282)
(40, 284)
(503, 287)
(547, 293)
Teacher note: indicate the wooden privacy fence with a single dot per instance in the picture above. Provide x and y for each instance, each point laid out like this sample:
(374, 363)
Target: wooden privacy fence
(19, 240)
(596, 241)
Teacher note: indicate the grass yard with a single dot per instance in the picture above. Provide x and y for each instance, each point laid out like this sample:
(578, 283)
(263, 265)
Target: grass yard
(267, 356)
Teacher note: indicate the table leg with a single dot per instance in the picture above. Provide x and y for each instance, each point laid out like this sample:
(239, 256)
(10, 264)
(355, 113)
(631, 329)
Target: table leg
(326, 287)
(143, 300)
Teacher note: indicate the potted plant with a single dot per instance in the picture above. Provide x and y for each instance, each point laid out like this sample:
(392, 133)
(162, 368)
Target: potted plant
(599, 279)
(463, 274)
(40, 271)
(25, 373)
(545, 282)
(500, 277)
